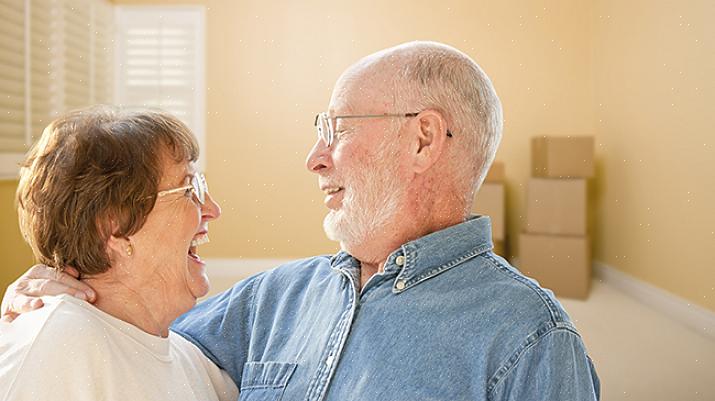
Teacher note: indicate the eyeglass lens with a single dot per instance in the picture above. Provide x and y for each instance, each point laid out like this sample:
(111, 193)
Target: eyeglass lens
(200, 187)
(325, 129)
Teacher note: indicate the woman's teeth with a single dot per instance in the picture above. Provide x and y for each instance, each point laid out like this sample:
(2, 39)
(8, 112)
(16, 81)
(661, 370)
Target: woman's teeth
(200, 240)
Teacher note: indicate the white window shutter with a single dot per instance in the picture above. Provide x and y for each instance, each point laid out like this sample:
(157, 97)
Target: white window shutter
(42, 88)
(55, 56)
(75, 51)
(80, 51)
(13, 83)
(161, 62)
(102, 76)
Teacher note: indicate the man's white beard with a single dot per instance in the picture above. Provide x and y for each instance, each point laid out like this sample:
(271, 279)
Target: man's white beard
(371, 200)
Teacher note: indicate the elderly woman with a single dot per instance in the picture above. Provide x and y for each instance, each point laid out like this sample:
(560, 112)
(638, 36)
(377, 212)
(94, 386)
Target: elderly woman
(116, 196)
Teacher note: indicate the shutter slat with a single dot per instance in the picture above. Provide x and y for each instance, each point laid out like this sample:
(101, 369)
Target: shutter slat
(9, 129)
(12, 73)
(13, 87)
(13, 116)
(13, 12)
(9, 104)
(13, 45)
(12, 59)
(15, 5)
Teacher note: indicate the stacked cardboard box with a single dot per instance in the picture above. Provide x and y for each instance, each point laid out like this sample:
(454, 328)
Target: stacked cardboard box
(555, 248)
(489, 201)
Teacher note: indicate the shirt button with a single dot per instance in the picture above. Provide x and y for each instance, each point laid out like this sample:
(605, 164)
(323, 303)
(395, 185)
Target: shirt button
(329, 361)
(400, 285)
(400, 260)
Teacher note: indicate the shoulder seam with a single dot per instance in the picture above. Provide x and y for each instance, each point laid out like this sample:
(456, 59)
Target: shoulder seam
(531, 340)
(554, 313)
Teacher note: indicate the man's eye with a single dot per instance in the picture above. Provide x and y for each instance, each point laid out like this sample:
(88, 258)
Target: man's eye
(340, 133)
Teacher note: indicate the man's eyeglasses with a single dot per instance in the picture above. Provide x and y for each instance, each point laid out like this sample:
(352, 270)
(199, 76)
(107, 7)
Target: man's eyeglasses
(325, 125)
(198, 187)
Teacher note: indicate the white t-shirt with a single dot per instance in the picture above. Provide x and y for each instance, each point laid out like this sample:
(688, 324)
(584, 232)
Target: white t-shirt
(70, 350)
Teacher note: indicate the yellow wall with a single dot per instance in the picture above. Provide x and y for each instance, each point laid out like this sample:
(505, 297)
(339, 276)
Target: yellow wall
(17, 255)
(627, 72)
(655, 93)
(271, 67)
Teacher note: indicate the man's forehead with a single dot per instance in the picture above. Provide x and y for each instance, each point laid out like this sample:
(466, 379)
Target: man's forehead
(362, 92)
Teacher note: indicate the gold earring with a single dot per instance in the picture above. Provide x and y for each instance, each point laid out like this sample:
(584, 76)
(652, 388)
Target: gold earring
(130, 250)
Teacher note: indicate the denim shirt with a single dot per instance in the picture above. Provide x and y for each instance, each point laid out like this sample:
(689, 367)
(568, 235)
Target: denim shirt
(446, 320)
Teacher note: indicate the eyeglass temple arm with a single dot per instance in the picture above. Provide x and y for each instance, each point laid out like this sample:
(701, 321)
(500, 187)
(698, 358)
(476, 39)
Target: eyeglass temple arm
(315, 123)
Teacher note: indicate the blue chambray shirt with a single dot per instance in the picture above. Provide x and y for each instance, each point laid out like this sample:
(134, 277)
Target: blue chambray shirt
(446, 320)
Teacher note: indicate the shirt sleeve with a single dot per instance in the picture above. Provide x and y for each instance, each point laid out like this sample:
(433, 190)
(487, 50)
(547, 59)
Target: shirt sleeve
(555, 367)
(221, 326)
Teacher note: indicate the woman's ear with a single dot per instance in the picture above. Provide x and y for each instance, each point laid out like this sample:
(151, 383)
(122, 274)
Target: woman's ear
(430, 140)
(119, 247)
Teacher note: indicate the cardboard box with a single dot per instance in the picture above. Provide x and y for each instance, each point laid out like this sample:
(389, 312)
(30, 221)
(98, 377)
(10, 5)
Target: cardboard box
(556, 206)
(562, 157)
(496, 173)
(559, 263)
(490, 202)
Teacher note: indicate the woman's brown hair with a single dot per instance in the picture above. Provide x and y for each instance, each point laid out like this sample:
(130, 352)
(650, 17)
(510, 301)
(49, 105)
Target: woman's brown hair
(95, 173)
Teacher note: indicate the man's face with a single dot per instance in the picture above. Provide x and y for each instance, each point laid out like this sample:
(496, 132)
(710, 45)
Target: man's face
(360, 173)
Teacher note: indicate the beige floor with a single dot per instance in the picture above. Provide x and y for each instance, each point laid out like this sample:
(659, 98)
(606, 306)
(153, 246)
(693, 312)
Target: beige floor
(640, 354)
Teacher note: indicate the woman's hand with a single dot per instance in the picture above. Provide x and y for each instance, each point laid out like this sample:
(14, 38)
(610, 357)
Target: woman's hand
(24, 294)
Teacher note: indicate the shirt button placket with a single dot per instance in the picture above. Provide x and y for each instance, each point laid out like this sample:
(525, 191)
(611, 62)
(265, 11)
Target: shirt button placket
(337, 339)
(400, 260)
(400, 283)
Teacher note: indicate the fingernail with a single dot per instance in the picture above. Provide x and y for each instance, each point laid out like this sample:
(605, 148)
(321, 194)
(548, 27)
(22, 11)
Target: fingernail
(90, 294)
(81, 295)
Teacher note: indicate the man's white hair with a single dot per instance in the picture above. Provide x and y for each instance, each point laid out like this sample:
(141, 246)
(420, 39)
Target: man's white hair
(430, 75)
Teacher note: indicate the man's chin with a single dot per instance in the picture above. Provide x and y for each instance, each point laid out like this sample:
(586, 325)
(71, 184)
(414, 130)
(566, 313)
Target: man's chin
(333, 225)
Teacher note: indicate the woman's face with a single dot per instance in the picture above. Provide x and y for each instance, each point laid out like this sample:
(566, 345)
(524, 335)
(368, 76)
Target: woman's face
(166, 247)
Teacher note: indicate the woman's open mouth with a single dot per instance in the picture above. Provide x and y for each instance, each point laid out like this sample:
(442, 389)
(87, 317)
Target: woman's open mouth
(193, 249)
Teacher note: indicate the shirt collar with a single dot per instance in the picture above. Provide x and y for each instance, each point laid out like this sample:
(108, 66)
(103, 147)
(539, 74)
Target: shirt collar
(428, 256)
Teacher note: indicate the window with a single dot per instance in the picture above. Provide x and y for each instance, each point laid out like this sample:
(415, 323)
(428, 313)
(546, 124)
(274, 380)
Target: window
(14, 82)
(160, 62)
(59, 55)
(55, 56)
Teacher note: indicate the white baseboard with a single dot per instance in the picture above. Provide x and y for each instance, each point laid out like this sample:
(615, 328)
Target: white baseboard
(693, 316)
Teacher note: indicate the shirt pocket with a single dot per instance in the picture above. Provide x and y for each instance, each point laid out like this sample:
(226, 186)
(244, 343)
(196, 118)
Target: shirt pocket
(265, 381)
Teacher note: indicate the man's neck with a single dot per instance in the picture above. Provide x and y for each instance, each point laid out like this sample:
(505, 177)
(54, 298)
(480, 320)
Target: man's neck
(368, 270)
(373, 254)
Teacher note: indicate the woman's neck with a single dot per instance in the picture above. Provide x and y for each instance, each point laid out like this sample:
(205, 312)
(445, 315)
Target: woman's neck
(144, 308)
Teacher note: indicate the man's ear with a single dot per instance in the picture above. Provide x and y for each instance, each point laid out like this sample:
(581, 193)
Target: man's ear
(430, 141)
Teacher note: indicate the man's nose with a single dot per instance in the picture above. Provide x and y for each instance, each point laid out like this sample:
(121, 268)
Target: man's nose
(319, 157)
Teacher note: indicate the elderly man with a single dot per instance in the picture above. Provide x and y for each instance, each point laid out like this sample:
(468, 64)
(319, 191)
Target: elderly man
(415, 306)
